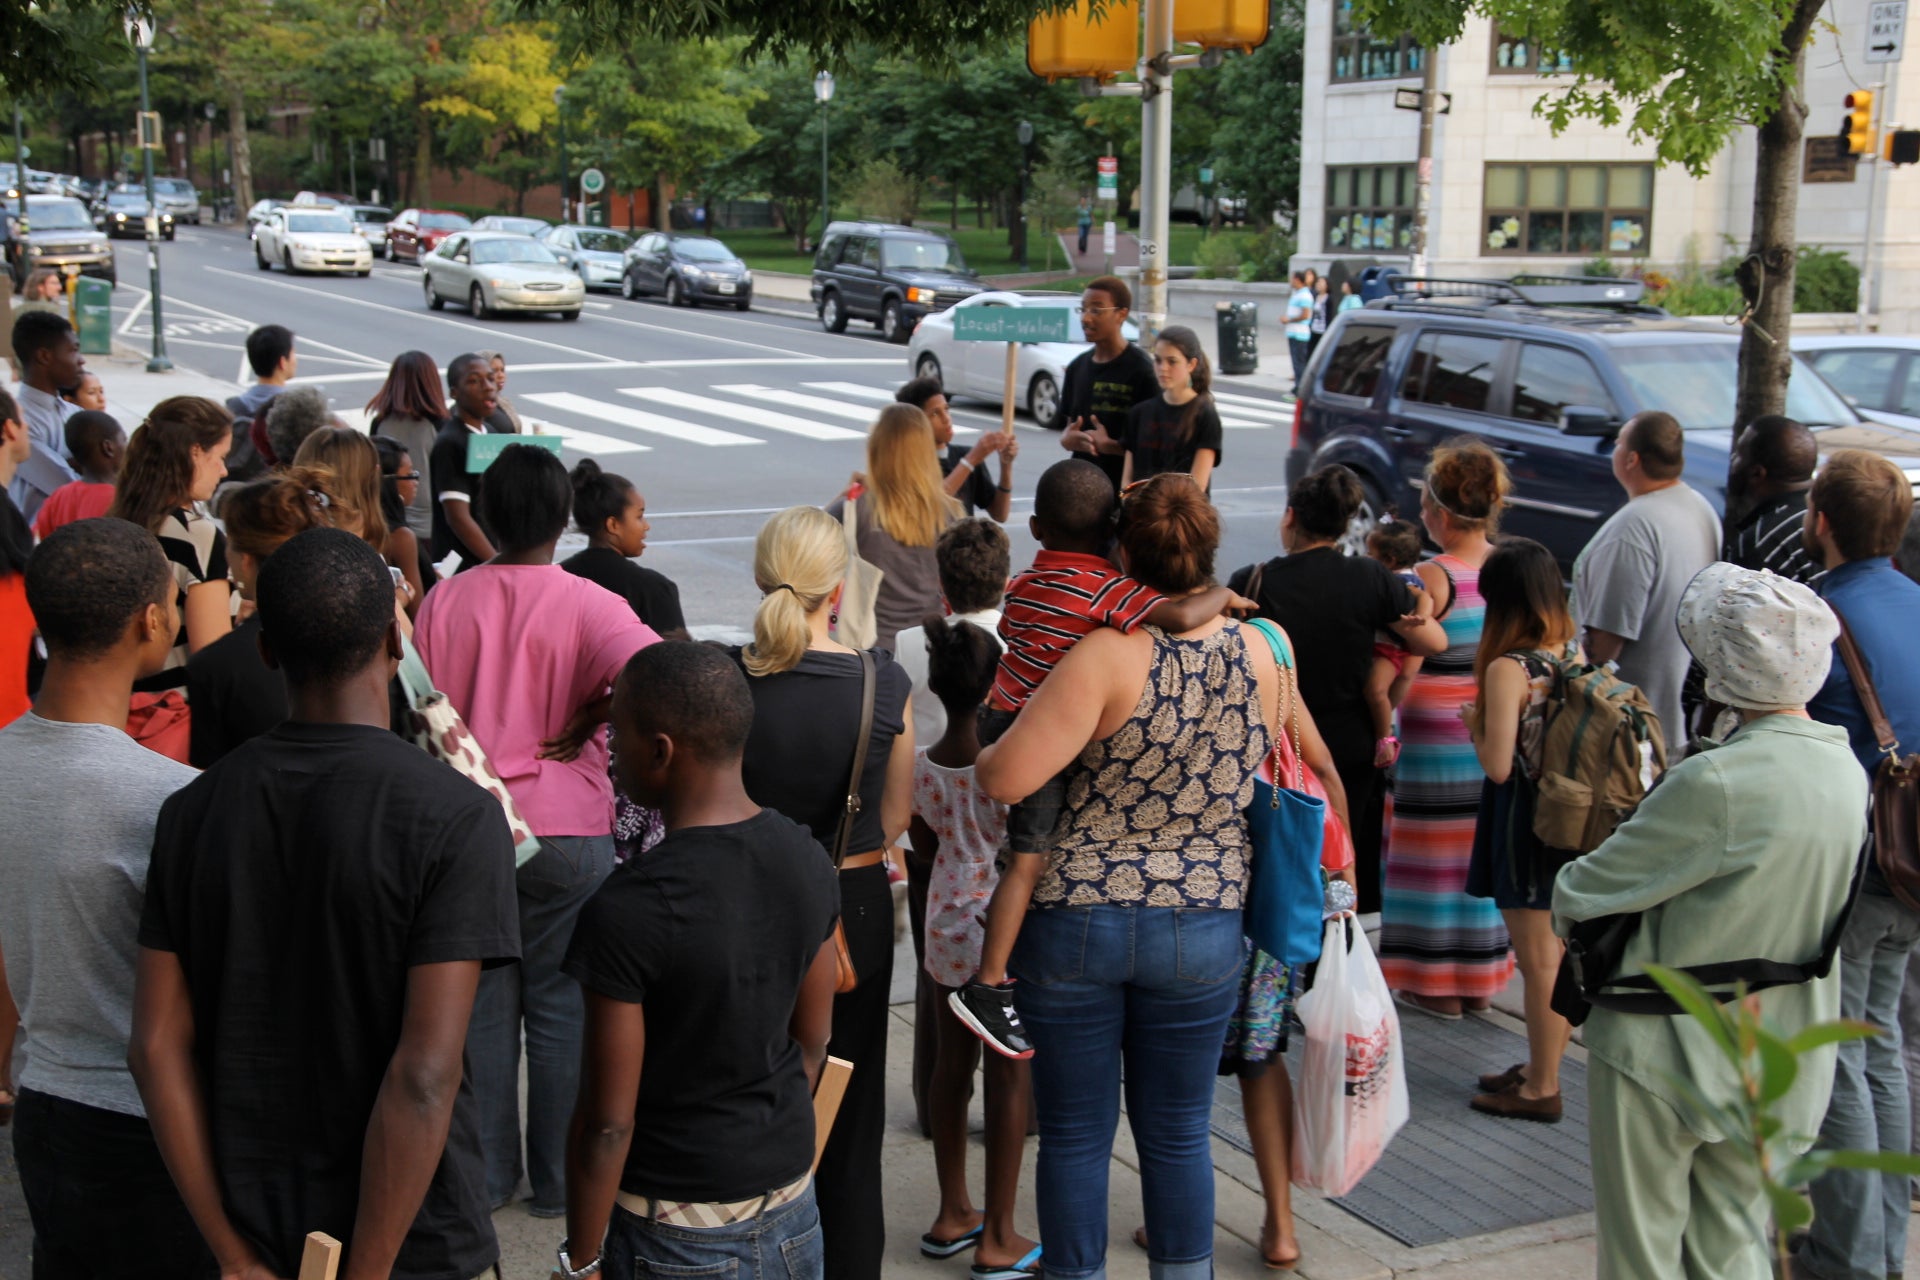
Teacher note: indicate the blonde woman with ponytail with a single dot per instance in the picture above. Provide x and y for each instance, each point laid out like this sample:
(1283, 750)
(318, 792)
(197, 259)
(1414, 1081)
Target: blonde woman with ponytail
(901, 508)
(807, 699)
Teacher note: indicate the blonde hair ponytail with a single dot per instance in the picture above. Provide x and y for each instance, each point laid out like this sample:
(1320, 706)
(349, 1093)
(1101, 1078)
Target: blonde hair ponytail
(903, 478)
(799, 559)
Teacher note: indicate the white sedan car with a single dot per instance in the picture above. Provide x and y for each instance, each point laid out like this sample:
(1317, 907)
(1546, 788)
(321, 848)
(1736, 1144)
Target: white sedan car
(1879, 372)
(500, 271)
(311, 239)
(979, 369)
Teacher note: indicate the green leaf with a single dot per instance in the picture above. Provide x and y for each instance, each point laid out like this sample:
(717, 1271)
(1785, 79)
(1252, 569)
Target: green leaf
(1791, 1209)
(1838, 1032)
(1693, 997)
(1779, 1067)
(1875, 1161)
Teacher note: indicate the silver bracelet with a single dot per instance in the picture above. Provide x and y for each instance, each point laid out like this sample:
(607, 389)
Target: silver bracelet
(567, 1271)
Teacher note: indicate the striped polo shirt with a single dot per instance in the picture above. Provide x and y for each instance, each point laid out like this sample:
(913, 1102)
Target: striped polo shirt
(1065, 595)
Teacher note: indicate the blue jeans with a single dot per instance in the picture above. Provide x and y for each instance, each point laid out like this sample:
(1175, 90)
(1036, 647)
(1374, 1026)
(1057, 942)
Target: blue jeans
(1860, 1217)
(1150, 988)
(781, 1245)
(554, 884)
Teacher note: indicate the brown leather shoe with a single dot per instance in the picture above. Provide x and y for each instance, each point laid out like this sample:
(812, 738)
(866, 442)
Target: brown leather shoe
(1512, 1106)
(1501, 1081)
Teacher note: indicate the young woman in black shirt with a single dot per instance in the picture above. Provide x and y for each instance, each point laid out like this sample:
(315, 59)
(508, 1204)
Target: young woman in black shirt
(1179, 429)
(613, 515)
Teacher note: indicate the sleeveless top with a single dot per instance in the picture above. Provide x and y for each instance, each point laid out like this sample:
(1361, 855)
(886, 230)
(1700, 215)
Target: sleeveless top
(1154, 813)
(1463, 619)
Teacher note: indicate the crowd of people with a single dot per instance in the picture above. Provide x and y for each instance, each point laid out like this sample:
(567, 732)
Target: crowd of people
(334, 795)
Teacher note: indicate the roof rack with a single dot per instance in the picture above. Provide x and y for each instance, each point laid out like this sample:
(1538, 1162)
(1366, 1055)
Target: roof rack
(1539, 291)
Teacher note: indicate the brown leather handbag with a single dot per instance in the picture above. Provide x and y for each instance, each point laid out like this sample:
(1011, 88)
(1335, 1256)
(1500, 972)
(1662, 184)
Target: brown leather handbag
(845, 977)
(1896, 786)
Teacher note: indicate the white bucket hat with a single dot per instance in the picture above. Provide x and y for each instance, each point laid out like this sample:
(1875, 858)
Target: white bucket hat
(1765, 641)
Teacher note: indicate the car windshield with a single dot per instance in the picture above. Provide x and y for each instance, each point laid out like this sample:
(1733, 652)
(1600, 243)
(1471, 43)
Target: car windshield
(512, 251)
(602, 241)
(328, 223)
(378, 217)
(921, 255)
(443, 222)
(127, 200)
(699, 250)
(173, 186)
(1697, 383)
(520, 226)
(59, 215)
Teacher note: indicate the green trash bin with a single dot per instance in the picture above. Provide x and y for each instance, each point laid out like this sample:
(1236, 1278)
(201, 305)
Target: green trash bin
(596, 214)
(1238, 330)
(93, 315)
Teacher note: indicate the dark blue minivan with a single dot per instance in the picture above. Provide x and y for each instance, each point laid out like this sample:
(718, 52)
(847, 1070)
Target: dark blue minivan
(1545, 370)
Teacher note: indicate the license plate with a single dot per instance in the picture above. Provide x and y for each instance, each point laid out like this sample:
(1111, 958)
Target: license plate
(726, 286)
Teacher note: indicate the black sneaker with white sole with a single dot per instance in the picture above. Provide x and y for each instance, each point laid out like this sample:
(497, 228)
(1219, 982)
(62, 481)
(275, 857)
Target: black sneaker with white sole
(989, 1013)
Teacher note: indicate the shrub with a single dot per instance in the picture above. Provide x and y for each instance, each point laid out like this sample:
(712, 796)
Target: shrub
(1218, 257)
(1266, 255)
(1825, 280)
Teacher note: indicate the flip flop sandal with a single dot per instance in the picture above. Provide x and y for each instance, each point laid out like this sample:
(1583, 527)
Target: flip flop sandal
(1024, 1269)
(934, 1247)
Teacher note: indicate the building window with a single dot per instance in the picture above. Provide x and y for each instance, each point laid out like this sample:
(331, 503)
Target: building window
(1571, 209)
(1358, 54)
(1369, 207)
(1516, 55)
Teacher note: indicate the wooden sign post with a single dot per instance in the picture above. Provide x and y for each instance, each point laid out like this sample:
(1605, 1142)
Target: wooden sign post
(321, 1258)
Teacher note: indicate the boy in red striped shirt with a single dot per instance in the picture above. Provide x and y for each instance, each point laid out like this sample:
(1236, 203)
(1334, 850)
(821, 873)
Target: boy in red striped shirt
(1071, 590)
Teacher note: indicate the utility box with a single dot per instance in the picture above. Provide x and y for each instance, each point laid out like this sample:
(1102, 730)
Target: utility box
(93, 315)
(1239, 336)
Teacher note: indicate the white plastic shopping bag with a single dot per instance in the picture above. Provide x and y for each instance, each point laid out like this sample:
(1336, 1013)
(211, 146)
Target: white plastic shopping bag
(1350, 1097)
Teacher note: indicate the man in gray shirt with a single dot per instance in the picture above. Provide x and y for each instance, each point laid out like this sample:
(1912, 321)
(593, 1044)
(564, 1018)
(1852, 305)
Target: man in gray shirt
(1628, 581)
(82, 798)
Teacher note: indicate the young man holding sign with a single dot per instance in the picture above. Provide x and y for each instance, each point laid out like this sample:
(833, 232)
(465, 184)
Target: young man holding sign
(456, 482)
(1103, 385)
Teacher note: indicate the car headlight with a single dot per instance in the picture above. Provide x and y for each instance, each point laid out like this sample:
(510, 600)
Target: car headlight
(502, 284)
(922, 295)
(119, 217)
(692, 273)
(746, 277)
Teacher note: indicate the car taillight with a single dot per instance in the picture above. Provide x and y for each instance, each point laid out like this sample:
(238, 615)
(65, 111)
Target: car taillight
(1299, 407)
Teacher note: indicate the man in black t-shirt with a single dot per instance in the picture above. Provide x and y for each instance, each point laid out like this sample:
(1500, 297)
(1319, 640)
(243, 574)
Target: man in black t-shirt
(961, 466)
(319, 906)
(708, 967)
(457, 522)
(1103, 385)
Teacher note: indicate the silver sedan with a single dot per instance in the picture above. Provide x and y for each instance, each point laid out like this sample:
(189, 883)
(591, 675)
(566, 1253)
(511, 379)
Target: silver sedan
(498, 271)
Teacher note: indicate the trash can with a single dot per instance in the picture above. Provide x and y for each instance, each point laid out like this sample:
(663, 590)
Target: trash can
(596, 214)
(1377, 282)
(93, 315)
(1239, 334)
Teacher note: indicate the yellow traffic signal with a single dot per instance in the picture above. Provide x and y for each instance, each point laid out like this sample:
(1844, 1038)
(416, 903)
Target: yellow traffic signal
(1072, 43)
(1858, 129)
(1220, 24)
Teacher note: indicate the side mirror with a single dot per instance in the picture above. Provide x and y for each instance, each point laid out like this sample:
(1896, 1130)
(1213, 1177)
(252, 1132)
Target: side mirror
(1585, 420)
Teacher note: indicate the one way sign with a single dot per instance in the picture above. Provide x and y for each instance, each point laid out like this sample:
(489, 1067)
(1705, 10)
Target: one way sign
(1886, 30)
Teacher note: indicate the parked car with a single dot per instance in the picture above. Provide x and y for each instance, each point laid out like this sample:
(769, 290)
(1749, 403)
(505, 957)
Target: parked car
(311, 238)
(499, 271)
(417, 232)
(60, 234)
(518, 226)
(321, 198)
(1544, 370)
(596, 254)
(979, 369)
(123, 212)
(371, 220)
(686, 270)
(258, 211)
(1879, 372)
(894, 276)
(178, 197)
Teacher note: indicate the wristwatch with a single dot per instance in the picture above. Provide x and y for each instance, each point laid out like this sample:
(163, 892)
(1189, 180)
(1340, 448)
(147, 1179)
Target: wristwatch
(567, 1271)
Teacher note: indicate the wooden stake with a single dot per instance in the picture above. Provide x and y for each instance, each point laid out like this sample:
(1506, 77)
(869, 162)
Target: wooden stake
(1013, 376)
(321, 1258)
(826, 1104)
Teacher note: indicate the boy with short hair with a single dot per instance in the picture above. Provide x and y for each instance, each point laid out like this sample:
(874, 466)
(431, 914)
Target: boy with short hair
(1101, 385)
(97, 445)
(1071, 590)
(709, 970)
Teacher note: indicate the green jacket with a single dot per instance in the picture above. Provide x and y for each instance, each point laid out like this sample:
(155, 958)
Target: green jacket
(1744, 850)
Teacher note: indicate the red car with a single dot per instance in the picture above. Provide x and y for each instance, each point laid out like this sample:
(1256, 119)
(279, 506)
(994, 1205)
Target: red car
(417, 232)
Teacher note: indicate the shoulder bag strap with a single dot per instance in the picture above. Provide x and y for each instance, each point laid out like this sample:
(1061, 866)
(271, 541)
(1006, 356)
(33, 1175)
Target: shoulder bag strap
(1863, 686)
(1253, 582)
(852, 808)
(1289, 711)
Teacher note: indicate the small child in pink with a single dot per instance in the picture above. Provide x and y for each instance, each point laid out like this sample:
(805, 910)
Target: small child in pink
(1396, 544)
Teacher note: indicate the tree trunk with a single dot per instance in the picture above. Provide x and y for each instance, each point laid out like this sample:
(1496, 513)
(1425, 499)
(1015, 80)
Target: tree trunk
(422, 155)
(662, 216)
(1766, 276)
(242, 151)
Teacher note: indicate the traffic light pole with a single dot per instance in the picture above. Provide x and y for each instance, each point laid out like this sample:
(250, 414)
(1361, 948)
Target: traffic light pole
(1156, 166)
(158, 362)
(1865, 298)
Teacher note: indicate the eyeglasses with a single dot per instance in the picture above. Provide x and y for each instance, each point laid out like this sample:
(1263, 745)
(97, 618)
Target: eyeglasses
(1097, 311)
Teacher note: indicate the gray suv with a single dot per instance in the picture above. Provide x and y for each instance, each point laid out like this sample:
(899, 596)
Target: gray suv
(890, 275)
(178, 197)
(60, 234)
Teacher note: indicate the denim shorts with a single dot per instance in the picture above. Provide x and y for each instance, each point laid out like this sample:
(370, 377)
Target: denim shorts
(1030, 823)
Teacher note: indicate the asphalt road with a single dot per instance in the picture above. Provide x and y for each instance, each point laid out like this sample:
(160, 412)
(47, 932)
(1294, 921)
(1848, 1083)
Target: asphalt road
(721, 418)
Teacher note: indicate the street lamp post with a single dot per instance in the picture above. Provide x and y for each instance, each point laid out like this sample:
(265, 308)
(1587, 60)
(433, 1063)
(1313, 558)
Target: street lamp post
(1025, 134)
(823, 90)
(213, 162)
(560, 109)
(140, 31)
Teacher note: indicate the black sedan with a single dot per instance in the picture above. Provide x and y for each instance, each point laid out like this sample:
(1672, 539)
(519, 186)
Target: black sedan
(123, 213)
(686, 270)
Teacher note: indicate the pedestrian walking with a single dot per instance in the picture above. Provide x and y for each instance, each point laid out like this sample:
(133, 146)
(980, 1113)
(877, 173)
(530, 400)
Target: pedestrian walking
(1084, 220)
(1701, 861)
(1100, 387)
(613, 515)
(1179, 429)
(1441, 950)
(1299, 326)
(48, 351)
(409, 409)
(961, 466)
(98, 446)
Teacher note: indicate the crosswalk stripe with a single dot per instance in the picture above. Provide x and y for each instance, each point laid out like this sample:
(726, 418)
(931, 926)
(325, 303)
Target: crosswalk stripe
(591, 442)
(795, 400)
(639, 419)
(1242, 423)
(742, 413)
(853, 389)
(1253, 406)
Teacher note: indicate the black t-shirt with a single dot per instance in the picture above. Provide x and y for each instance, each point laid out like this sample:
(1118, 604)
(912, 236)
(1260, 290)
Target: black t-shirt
(713, 931)
(653, 596)
(447, 467)
(1105, 392)
(801, 748)
(1153, 436)
(234, 694)
(1331, 605)
(298, 880)
(976, 493)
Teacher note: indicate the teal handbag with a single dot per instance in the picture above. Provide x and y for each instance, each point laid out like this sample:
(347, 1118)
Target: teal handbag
(1286, 826)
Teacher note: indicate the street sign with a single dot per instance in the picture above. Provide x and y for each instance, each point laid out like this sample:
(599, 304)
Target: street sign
(1108, 238)
(1109, 187)
(1827, 160)
(1206, 177)
(1886, 30)
(148, 129)
(376, 149)
(1012, 324)
(592, 181)
(483, 450)
(1409, 100)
